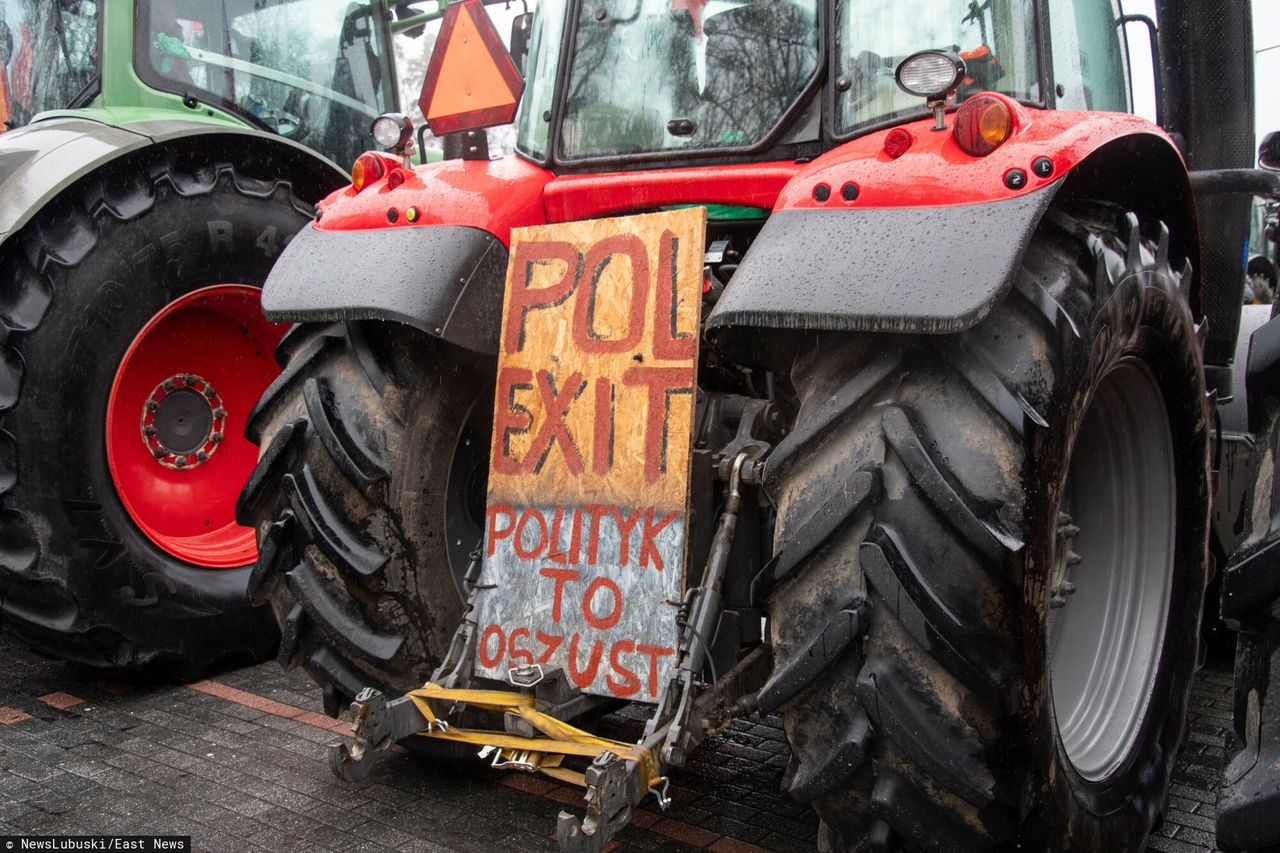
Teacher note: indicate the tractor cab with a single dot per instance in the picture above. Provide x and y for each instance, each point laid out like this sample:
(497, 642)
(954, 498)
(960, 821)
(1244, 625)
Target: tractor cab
(629, 81)
(313, 72)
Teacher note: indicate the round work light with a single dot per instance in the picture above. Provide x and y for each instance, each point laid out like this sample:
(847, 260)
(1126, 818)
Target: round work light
(931, 74)
(392, 131)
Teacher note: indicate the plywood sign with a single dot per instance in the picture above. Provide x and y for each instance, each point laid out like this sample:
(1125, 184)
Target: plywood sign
(585, 525)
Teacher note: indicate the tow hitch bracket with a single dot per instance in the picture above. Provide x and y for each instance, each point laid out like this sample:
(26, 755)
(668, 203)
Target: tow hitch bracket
(621, 774)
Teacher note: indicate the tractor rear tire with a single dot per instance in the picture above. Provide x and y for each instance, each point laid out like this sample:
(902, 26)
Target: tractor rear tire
(81, 577)
(368, 500)
(945, 485)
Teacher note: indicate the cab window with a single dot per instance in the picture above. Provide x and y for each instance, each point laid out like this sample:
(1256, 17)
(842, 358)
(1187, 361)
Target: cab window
(48, 56)
(316, 71)
(1089, 63)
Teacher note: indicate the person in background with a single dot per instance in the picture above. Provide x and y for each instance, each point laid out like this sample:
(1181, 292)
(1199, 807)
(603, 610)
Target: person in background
(1261, 286)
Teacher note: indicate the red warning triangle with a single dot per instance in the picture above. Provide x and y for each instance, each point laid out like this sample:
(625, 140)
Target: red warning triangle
(472, 81)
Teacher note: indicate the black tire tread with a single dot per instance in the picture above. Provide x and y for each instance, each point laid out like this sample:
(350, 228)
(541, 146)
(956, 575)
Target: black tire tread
(41, 605)
(339, 555)
(910, 730)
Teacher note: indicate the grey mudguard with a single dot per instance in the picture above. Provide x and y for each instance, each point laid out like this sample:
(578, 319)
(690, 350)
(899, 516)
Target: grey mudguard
(443, 279)
(40, 160)
(932, 270)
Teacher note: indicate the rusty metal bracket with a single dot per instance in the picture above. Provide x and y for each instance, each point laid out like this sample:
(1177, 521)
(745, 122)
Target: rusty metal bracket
(613, 788)
(376, 725)
(621, 774)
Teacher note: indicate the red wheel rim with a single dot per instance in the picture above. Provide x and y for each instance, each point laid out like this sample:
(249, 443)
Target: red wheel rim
(176, 418)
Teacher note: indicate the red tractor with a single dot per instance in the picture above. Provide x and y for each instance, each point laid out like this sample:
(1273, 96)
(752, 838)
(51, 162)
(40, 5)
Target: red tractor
(967, 329)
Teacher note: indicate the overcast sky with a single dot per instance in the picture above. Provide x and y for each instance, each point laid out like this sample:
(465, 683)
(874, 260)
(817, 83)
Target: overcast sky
(1266, 40)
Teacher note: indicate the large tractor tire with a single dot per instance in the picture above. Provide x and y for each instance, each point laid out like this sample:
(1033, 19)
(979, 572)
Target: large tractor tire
(134, 349)
(1018, 515)
(368, 500)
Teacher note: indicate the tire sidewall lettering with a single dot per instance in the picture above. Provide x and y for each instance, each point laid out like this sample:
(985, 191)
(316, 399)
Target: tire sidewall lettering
(137, 266)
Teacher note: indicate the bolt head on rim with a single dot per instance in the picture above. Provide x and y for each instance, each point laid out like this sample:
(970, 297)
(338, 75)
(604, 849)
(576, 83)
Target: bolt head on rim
(175, 422)
(183, 421)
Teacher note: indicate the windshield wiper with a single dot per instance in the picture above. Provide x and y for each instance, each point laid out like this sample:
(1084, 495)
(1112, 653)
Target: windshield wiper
(183, 51)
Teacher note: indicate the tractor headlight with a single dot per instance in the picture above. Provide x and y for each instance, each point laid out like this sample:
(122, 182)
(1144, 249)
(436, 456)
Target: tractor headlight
(931, 74)
(392, 131)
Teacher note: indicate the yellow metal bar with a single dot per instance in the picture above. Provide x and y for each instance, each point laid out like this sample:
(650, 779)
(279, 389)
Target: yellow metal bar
(564, 774)
(515, 742)
(545, 753)
(496, 699)
(560, 730)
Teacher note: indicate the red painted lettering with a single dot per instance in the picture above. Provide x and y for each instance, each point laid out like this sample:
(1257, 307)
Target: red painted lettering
(575, 536)
(554, 430)
(599, 257)
(597, 512)
(602, 458)
(521, 298)
(653, 653)
(550, 642)
(512, 418)
(583, 678)
(648, 536)
(554, 554)
(515, 652)
(611, 618)
(668, 341)
(494, 534)
(662, 384)
(487, 659)
(630, 685)
(523, 552)
(625, 526)
(561, 577)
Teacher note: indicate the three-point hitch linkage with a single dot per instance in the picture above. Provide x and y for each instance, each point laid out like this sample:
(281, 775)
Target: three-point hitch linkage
(533, 738)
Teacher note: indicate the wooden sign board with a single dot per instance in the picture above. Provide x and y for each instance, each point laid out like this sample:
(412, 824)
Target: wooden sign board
(585, 525)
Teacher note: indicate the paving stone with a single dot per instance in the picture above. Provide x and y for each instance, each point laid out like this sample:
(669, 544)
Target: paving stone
(238, 761)
(60, 700)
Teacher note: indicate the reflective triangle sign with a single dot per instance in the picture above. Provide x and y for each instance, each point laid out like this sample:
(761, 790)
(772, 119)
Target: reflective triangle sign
(472, 81)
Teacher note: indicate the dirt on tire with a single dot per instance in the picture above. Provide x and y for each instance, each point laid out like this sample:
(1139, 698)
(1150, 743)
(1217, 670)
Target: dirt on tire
(374, 454)
(919, 489)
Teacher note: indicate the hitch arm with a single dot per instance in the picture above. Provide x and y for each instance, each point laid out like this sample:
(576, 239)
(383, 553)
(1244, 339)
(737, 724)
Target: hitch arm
(613, 788)
(376, 725)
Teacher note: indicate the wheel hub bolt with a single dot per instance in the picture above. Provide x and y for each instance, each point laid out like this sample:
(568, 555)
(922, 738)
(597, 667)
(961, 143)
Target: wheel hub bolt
(1060, 592)
(183, 421)
(1067, 558)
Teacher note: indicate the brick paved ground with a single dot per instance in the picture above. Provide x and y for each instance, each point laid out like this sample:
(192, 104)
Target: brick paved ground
(238, 763)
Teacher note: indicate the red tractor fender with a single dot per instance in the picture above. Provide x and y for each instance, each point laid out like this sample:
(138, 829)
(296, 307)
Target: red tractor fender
(425, 246)
(492, 195)
(928, 241)
(428, 246)
(935, 172)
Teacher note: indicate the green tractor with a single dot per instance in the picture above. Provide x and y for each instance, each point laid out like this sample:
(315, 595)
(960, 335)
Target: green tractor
(159, 155)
